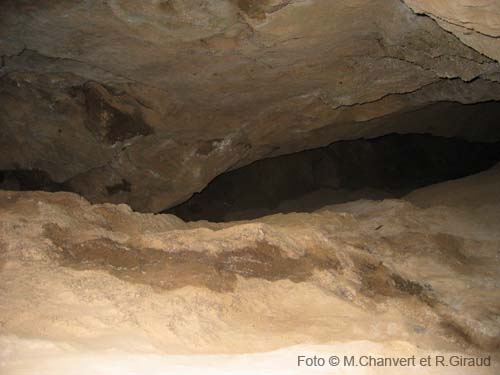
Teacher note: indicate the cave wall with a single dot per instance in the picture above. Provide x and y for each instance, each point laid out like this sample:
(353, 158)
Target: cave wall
(146, 102)
(474, 22)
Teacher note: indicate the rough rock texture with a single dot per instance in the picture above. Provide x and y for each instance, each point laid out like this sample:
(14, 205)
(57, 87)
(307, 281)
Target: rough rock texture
(475, 22)
(146, 102)
(102, 276)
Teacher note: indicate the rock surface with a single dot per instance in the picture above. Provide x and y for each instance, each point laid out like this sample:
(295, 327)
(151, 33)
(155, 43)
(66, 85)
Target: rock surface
(77, 276)
(146, 102)
(474, 22)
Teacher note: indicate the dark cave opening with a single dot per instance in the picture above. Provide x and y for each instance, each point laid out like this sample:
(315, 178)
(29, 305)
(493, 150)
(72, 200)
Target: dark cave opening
(390, 166)
(28, 180)
(386, 167)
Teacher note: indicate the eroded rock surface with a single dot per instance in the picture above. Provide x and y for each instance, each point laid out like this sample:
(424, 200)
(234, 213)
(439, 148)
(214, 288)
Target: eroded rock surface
(377, 271)
(146, 102)
(475, 22)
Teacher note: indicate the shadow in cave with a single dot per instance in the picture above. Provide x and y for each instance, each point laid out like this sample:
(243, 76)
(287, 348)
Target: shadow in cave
(385, 167)
(28, 180)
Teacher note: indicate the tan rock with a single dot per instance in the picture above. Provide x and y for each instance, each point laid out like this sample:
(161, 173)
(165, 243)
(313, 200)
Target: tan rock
(474, 22)
(367, 270)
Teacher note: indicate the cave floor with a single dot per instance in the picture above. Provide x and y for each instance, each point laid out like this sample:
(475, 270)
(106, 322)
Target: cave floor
(100, 289)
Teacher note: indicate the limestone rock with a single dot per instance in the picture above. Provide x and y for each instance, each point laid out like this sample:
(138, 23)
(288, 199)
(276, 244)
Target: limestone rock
(377, 271)
(146, 102)
(474, 22)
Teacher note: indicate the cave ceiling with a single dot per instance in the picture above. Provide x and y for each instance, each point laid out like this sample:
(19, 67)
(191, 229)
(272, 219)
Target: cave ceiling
(145, 102)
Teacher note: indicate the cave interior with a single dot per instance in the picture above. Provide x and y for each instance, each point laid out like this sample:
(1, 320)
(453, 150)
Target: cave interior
(249, 187)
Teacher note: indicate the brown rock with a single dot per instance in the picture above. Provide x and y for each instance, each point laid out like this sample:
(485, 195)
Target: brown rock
(159, 97)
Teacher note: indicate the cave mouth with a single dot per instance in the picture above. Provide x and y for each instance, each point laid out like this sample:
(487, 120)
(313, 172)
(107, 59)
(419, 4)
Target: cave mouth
(385, 167)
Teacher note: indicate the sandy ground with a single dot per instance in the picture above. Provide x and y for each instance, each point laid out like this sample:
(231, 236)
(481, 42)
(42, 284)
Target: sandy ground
(99, 289)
